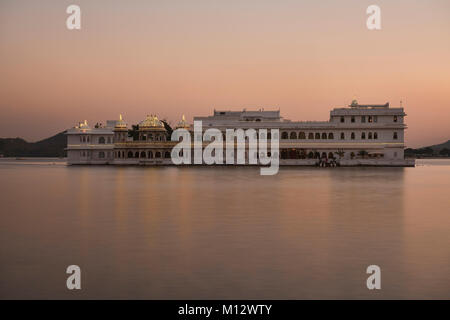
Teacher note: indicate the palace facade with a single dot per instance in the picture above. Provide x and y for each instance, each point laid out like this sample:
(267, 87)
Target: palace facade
(354, 135)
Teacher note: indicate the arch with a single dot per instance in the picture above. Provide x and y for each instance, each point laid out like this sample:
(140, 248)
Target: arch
(101, 155)
(395, 136)
(310, 135)
(293, 154)
(143, 155)
(130, 154)
(363, 135)
(324, 155)
(330, 135)
(324, 135)
(317, 135)
(317, 155)
(167, 154)
(301, 135)
(101, 140)
(157, 154)
(302, 154)
(375, 135)
(370, 135)
(353, 136)
(342, 136)
(293, 135)
(330, 155)
(150, 155)
(136, 154)
(284, 135)
(311, 155)
(284, 154)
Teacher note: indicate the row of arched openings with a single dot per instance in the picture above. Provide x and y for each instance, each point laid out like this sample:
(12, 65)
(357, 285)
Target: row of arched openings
(301, 135)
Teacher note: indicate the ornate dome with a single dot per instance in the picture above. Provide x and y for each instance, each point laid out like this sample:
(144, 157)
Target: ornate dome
(151, 122)
(183, 123)
(120, 124)
(83, 125)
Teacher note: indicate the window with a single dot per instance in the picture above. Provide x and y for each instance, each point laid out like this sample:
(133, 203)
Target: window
(136, 155)
(310, 136)
(293, 135)
(330, 135)
(353, 136)
(363, 135)
(353, 119)
(130, 154)
(375, 135)
(150, 154)
(101, 155)
(369, 119)
(324, 135)
(284, 135)
(395, 118)
(101, 140)
(157, 154)
(363, 119)
(370, 135)
(143, 154)
(317, 135)
(342, 119)
(301, 135)
(342, 136)
(395, 136)
(167, 154)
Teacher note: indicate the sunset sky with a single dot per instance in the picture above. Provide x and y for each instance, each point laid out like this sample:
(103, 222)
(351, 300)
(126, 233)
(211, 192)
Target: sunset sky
(188, 57)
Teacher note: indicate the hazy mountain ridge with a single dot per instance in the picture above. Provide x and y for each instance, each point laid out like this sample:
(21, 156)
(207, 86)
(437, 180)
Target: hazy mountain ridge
(50, 147)
(442, 149)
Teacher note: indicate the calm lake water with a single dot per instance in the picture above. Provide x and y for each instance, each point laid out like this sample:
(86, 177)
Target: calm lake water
(214, 232)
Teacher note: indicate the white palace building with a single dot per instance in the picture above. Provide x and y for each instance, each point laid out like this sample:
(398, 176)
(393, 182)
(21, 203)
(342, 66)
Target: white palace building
(357, 135)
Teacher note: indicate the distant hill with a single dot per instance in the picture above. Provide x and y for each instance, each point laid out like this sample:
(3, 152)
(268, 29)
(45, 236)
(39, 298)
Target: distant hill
(437, 150)
(439, 147)
(50, 147)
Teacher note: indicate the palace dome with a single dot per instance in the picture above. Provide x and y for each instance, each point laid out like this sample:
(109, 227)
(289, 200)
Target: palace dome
(83, 125)
(120, 124)
(183, 123)
(151, 122)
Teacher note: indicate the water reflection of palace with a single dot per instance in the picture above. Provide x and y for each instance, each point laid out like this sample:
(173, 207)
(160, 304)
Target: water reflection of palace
(354, 135)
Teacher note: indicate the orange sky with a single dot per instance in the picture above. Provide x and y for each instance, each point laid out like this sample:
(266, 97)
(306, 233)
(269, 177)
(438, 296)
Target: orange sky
(187, 57)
